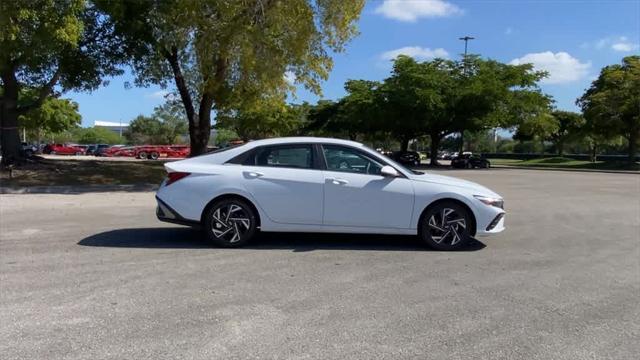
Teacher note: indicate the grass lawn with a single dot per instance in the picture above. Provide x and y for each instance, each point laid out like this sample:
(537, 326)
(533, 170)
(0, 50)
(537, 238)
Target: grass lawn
(566, 163)
(49, 172)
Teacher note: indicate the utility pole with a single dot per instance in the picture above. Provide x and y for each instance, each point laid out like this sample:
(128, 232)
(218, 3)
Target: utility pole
(464, 59)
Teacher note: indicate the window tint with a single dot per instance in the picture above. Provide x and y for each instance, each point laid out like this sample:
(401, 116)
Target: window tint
(295, 156)
(350, 160)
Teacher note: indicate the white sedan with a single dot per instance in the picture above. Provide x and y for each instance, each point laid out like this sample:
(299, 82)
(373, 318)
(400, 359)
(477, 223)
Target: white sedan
(306, 184)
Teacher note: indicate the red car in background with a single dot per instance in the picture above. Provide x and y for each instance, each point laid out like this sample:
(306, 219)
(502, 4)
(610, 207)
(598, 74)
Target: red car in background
(62, 149)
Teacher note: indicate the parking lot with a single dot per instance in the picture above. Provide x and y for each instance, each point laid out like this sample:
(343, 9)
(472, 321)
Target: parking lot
(95, 276)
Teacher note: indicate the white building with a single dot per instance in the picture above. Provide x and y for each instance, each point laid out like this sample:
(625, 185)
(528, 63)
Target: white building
(117, 127)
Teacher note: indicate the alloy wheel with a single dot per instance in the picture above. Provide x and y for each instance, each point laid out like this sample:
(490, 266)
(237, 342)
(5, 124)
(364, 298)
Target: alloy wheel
(230, 222)
(447, 227)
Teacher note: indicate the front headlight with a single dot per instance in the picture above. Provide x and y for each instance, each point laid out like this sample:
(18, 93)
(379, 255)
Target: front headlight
(491, 201)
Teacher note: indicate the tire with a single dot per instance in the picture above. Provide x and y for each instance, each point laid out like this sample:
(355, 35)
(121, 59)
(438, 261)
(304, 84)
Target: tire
(78, 153)
(454, 234)
(230, 232)
(142, 155)
(154, 155)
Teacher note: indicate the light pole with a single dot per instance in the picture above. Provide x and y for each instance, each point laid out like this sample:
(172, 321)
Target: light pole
(464, 59)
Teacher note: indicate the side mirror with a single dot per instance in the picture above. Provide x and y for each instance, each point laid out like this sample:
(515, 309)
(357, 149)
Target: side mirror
(389, 171)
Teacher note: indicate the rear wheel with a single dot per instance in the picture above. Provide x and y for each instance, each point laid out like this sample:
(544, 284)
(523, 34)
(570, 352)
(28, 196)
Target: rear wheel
(154, 156)
(446, 226)
(230, 223)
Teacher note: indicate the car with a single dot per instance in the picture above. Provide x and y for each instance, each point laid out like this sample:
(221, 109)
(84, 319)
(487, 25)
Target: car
(100, 149)
(408, 158)
(62, 149)
(83, 147)
(470, 161)
(154, 152)
(302, 184)
(29, 150)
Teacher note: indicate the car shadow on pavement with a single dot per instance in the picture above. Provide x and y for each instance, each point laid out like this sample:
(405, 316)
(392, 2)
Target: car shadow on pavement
(187, 238)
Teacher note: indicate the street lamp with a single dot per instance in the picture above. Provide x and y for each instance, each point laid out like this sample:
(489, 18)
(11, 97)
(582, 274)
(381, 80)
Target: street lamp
(464, 59)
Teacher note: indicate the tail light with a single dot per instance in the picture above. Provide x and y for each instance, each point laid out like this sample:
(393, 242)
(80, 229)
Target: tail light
(175, 176)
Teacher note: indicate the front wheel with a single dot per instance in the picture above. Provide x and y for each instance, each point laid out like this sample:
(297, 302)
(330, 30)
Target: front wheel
(446, 226)
(230, 223)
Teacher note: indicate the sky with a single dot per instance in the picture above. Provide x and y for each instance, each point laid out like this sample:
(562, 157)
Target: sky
(572, 40)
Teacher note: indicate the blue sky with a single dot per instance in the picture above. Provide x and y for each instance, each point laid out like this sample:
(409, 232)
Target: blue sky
(572, 40)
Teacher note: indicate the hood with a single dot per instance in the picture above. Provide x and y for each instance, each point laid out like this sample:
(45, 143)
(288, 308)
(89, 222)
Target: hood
(451, 181)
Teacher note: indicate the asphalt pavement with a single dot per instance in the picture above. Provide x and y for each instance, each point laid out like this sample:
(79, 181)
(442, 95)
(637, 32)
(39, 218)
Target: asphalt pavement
(96, 276)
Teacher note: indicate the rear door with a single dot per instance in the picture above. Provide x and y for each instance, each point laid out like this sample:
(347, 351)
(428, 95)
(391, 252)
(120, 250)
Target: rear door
(286, 183)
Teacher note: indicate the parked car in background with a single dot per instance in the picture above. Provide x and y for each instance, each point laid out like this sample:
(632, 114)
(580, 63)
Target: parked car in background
(29, 149)
(470, 161)
(407, 158)
(62, 149)
(305, 184)
(83, 147)
(101, 148)
(110, 151)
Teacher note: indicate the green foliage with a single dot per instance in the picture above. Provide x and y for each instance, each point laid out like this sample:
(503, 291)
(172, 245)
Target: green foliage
(610, 105)
(47, 44)
(265, 120)
(569, 126)
(95, 135)
(224, 136)
(230, 55)
(54, 116)
(163, 127)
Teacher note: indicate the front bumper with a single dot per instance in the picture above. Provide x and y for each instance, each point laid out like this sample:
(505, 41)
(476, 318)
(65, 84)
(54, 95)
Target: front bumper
(494, 227)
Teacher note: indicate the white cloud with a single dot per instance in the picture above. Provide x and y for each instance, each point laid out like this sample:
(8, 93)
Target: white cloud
(416, 52)
(561, 66)
(624, 45)
(160, 94)
(412, 10)
(620, 43)
(290, 77)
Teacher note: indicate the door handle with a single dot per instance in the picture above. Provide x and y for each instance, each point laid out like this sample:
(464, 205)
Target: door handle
(337, 181)
(253, 174)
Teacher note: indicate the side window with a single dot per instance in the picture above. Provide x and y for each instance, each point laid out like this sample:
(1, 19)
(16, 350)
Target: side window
(291, 156)
(345, 159)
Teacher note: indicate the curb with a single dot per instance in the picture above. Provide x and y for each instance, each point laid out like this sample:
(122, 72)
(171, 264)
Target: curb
(566, 169)
(81, 189)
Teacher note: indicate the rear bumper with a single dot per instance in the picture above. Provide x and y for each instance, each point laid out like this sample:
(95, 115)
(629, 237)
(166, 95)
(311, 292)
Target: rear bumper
(165, 213)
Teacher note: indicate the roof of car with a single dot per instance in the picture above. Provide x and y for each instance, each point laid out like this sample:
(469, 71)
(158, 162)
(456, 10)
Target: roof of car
(303, 139)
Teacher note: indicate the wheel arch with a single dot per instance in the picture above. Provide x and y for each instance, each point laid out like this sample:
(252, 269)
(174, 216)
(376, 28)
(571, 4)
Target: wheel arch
(231, 196)
(474, 222)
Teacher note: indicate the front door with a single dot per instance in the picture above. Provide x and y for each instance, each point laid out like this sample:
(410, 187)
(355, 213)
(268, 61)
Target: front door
(356, 194)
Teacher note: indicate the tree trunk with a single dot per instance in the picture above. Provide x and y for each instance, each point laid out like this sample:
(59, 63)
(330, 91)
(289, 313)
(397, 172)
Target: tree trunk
(404, 144)
(9, 136)
(633, 147)
(199, 133)
(560, 149)
(593, 153)
(433, 148)
(461, 145)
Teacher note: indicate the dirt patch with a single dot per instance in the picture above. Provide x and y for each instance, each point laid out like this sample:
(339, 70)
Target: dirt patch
(50, 172)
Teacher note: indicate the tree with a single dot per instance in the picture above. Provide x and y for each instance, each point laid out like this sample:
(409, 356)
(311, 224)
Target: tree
(49, 44)
(53, 116)
(568, 126)
(442, 97)
(611, 105)
(95, 135)
(225, 55)
(163, 127)
(354, 114)
(265, 120)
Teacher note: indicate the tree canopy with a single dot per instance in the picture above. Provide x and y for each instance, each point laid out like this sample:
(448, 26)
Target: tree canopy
(48, 45)
(611, 105)
(227, 55)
